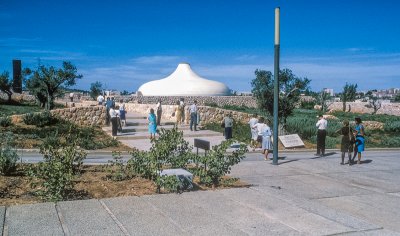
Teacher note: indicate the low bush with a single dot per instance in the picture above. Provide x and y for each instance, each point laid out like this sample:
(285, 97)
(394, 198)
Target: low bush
(5, 121)
(8, 155)
(217, 163)
(56, 174)
(39, 119)
(390, 141)
(117, 169)
(393, 126)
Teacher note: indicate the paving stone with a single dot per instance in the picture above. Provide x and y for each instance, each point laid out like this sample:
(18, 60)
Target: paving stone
(377, 232)
(35, 219)
(382, 209)
(88, 217)
(191, 218)
(2, 215)
(141, 218)
(238, 216)
(286, 213)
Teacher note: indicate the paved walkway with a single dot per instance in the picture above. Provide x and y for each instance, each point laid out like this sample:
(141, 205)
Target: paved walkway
(301, 196)
(135, 133)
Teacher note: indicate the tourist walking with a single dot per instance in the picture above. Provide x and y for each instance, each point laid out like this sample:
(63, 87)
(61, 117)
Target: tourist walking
(346, 144)
(109, 104)
(152, 124)
(193, 116)
(122, 112)
(71, 96)
(228, 124)
(182, 106)
(178, 113)
(114, 113)
(360, 140)
(159, 112)
(254, 133)
(321, 125)
(100, 100)
(264, 136)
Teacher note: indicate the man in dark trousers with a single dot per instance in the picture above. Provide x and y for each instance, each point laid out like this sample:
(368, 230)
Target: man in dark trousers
(321, 125)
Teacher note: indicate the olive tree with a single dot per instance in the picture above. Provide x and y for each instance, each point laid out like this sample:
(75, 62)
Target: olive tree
(96, 89)
(6, 85)
(48, 83)
(290, 89)
(349, 94)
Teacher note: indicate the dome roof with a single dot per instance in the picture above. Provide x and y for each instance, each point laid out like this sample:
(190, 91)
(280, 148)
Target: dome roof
(184, 82)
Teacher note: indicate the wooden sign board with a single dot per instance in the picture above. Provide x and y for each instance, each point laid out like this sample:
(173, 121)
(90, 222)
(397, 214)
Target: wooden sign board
(292, 140)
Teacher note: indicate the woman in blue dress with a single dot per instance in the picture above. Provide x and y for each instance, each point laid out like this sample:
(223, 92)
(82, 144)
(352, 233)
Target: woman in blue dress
(152, 124)
(360, 140)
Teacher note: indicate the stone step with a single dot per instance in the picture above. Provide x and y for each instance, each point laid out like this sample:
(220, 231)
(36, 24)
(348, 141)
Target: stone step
(142, 128)
(186, 133)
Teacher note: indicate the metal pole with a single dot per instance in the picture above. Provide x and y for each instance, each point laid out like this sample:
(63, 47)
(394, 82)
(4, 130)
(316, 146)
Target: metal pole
(276, 85)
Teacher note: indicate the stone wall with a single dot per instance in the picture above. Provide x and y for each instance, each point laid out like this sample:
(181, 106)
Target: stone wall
(221, 101)
(94, 115)
(207, 114)
(360, 107)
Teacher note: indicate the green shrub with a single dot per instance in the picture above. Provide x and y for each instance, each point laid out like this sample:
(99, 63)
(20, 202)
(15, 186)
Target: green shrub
(240, 132)
(213, 166)
(39, 119)
(393, 126)
(8, 155)
(170, 150)
(211, 104)
(117, 170)
(390, 142)
(57, 173)
(5, 121)
(330, 142)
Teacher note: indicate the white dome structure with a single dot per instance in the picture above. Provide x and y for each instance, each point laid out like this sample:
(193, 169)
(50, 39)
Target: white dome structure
(184, 82)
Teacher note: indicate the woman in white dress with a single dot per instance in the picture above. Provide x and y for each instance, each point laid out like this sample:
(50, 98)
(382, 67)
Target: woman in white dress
(264, 133)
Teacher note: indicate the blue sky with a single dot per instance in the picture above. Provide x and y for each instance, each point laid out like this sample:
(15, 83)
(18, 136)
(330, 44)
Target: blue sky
(124, 44)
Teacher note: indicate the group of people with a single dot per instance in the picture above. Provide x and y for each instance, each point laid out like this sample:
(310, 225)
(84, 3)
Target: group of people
(154, 119)
(116, 113)
(352, 143)
(261, 135)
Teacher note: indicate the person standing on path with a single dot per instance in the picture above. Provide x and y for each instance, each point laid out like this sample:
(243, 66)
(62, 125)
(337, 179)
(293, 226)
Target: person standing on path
(100, 100)
(178, 113)
(122, 112)
(321, 125)
(252, 122)
(193, 116)
(152, 124)
(159, 112)
(109, 104)
(114, 113)
(360, 140)
(264, 136)
(346, 145)
(228, 124)
(182, 106)
(71, 96)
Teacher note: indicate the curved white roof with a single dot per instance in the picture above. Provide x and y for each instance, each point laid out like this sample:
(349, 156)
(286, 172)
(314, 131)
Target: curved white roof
(184, 82)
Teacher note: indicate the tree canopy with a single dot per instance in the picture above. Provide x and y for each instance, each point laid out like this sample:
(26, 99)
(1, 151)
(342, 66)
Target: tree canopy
(96, 89)
(47, 83)
(290, 88)
(349, 94)
(6, 85)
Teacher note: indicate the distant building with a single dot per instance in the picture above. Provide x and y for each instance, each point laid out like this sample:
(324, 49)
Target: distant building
(329, 91)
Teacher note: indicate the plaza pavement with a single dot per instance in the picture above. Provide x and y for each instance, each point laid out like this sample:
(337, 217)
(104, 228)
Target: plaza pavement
(303, 195)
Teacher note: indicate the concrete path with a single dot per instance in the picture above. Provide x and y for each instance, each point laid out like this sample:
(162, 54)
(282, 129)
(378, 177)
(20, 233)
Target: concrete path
(135, 133)
(302, 195)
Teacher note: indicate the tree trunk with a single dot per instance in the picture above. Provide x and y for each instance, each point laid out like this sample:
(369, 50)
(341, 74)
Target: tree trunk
(344, 106)
(9, 97)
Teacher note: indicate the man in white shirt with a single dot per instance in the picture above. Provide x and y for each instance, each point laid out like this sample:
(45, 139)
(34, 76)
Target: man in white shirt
(321, 125)
(252, 122)
(193, 116)
(100, 99)
(71, 96)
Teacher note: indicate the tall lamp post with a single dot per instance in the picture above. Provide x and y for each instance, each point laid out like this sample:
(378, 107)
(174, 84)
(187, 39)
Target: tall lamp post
(276, 84)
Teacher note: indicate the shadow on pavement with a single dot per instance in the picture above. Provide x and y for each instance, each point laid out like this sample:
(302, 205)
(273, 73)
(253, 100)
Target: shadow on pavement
(288, 161)
(326, 155)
